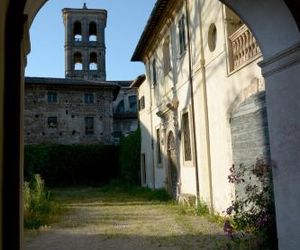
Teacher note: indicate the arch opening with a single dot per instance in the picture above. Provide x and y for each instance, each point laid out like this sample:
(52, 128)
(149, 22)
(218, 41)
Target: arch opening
(77, 32)
(92, 32)
(78, 65)
(93, 64)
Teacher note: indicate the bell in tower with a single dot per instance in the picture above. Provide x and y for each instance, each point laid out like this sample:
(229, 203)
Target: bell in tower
(85, 43)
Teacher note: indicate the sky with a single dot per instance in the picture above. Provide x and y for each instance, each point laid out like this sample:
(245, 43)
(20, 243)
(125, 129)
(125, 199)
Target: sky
(125, 23)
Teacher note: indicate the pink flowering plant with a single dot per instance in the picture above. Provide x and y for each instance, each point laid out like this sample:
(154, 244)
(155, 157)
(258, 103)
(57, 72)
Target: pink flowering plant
(253, 210)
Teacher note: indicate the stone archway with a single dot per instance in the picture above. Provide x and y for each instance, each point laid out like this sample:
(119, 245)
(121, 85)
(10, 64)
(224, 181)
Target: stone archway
(273, 24)
(172, 165)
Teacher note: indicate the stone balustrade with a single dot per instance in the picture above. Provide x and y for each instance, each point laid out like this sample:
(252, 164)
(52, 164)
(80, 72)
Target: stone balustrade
(243, 47)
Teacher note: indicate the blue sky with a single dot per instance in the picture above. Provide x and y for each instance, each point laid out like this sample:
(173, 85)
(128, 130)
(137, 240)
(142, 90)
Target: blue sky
(125, 24)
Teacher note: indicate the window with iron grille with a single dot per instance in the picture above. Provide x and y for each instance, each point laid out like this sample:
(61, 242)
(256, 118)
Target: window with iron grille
(89, 125)
(186, 137)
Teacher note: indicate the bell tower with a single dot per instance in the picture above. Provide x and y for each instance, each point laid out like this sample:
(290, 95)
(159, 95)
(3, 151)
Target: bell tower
(85, 43)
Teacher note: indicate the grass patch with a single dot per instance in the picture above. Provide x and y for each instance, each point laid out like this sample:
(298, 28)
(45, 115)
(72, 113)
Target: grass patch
(116, 191)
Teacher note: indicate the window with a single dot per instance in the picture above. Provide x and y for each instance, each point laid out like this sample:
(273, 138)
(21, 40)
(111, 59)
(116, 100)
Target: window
(77, 61)
(181, 29)
(158, 146)
(212, 37)
(52, 122)
(89, 125)
(93, 65)
(166, 55)
(77, 32)
(154, 74)
(143, 170)
(93, 32)
(132, 103)
(186, 137)
(88, 98)
(52, 97)
(142, 103)
(120, 107)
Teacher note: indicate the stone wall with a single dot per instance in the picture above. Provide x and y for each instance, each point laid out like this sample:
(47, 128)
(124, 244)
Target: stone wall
(249, 129)
(71, 111)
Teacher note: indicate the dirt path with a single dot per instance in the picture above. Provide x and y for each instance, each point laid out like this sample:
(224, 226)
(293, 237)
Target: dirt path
(112, 222)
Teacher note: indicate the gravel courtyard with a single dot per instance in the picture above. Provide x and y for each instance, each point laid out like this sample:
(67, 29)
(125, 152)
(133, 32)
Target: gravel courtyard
(97, 220)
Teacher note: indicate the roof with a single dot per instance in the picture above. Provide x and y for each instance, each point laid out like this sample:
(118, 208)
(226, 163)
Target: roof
(138, 81)
(71, 83)
(152, 23)
(123, 83)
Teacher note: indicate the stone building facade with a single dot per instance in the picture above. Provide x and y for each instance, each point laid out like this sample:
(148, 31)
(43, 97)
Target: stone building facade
(68, 111)
(80, 108)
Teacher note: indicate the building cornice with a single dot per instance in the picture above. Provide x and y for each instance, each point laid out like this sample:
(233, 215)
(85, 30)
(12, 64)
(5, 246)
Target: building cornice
(158, 18)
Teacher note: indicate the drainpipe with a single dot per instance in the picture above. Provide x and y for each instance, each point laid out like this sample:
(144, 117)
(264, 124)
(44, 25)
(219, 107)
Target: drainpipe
(206, 114)
(192, 101)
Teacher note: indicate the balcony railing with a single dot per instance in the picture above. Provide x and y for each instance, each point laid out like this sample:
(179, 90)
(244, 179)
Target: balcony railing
(243, 47)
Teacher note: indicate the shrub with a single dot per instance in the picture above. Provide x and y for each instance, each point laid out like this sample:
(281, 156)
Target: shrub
(130, 148)
(38, 207)
(253, 212)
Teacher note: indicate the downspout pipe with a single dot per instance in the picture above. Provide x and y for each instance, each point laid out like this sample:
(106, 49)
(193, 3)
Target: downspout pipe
(206, 115)
(192, 101)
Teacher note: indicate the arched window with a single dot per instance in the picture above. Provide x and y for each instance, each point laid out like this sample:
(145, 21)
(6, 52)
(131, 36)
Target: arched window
(93, 65)
(77, 61)
(77, 34)
(93, 32)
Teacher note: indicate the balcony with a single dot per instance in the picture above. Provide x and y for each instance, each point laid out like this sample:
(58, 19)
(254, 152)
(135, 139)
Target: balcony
(243, 47)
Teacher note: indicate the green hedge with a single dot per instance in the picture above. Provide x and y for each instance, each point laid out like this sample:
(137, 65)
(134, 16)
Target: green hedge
(130, 148)
(65, 165)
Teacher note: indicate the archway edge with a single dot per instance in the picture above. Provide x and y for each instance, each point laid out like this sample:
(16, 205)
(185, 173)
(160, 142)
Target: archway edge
(32, 7)
(270, 21)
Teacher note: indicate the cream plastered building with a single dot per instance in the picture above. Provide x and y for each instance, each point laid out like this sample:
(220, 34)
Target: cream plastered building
(201, 64)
